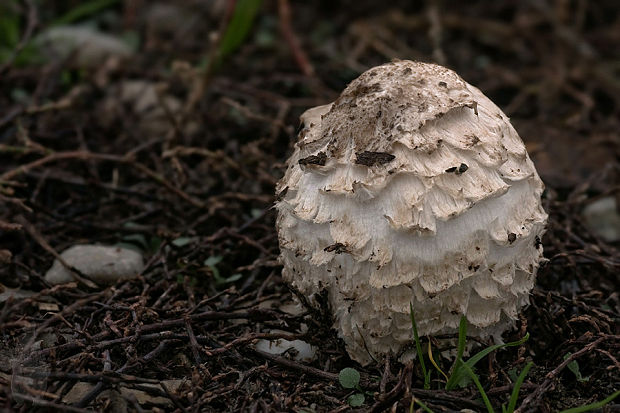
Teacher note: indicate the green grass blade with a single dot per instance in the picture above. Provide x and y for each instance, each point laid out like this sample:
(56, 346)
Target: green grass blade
(592, 406)
(430, 357)
(418, 347)
(515, 391)
(480, 355)
(9, 26)
(460, 374)
(239, 26)
(419, 403)
(473, 376)
(85, 9)
(451, 383)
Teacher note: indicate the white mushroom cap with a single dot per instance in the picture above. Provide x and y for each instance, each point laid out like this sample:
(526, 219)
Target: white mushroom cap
(412, 187)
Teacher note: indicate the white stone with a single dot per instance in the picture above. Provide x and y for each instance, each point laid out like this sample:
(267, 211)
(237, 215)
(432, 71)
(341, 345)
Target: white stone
(412, 187)
(84, 45)
(603, 219)
(304, 351)
(102, 264)
(14, 294)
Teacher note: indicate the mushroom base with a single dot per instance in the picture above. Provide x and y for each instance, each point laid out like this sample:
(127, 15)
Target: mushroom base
(377, 321)
(380, 324)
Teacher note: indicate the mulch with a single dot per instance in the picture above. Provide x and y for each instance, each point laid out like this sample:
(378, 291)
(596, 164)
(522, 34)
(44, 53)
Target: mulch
(81, 164)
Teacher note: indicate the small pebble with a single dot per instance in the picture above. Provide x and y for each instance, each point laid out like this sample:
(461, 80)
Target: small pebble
(304, 351)
(103, 265)
(80, 45)
(603, 219)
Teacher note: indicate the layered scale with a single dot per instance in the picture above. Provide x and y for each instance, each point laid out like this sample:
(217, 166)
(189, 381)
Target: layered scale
(412, 187)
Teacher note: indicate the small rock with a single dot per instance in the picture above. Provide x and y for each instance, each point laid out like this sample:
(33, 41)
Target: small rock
(77, 392)
(15, 294)
(81, 389)
(142, 96)
(84, 45)
(104, 265)
(143, 397)
(164, 18)
(150, 105)
(304, 351)
(602, 218)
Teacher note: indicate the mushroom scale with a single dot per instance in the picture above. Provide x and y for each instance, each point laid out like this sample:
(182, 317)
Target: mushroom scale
(412, 187)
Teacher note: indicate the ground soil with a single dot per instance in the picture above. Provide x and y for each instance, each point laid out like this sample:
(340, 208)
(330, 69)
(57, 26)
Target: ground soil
(192, 175)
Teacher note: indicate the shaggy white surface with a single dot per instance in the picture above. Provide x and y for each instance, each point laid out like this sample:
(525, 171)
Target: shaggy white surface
(412, 187)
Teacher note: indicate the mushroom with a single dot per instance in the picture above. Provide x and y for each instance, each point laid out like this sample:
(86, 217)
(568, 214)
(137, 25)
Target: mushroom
(412, 187)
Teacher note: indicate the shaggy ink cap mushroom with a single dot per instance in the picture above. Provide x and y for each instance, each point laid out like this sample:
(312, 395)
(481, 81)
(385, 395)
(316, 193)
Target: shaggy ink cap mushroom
(412, 187)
